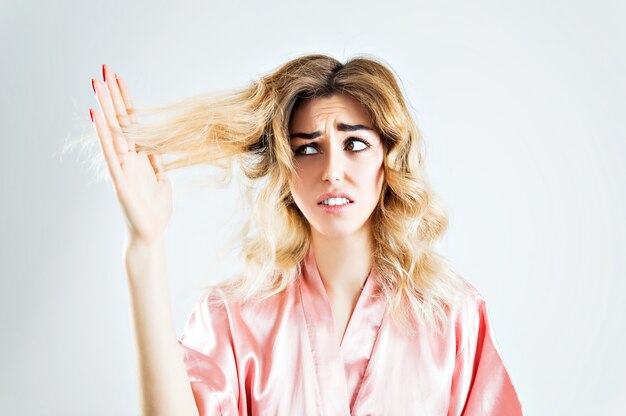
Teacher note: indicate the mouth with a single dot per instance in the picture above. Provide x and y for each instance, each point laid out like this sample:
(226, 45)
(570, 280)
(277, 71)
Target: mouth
(335, 202)
(334, 199)
(335, 205)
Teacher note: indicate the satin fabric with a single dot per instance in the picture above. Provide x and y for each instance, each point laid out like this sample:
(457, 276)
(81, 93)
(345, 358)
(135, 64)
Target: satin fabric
(282, 356)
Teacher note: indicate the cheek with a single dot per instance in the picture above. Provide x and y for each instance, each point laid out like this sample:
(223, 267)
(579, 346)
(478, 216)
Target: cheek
(380, 180)
(298, 187)
(300, 182)
(373, 176)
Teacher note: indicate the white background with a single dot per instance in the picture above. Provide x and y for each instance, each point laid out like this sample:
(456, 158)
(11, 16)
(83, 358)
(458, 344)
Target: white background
(522, 106)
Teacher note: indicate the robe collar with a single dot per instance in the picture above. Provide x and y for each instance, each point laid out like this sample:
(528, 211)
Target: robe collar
(340, 367)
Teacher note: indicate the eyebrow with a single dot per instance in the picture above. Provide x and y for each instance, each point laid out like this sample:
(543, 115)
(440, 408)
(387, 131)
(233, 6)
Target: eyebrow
(340, 127)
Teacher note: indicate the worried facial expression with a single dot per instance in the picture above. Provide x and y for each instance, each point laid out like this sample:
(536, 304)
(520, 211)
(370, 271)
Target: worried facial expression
(338, 157)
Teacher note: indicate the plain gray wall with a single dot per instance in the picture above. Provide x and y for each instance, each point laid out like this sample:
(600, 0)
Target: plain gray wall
(522, 108)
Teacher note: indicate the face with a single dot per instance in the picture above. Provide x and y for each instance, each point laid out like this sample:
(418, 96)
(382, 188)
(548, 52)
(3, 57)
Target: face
(339, 160)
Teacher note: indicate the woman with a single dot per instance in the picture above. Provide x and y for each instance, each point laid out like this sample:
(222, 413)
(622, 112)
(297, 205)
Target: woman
(343, 306)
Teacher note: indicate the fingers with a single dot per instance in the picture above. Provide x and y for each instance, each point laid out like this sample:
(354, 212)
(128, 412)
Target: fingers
(155, 161)
(110, 117)
(106, 144)
(116, 97)
(123, 88)
(157, 165)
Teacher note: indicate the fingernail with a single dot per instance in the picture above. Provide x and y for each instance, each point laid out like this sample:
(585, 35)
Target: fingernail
(91, 114)
(93, 85)
(104, 75)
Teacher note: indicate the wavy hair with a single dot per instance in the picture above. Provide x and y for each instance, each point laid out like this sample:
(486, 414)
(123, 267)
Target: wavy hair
(249, 128)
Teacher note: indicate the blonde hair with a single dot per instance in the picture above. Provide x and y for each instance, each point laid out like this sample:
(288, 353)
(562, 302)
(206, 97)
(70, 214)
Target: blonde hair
(249, 127)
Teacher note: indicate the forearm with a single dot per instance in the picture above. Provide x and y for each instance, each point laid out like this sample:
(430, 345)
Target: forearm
(164, 385)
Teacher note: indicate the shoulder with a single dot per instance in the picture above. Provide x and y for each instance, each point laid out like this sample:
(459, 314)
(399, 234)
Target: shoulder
(211, 300)
(219, 298)
(218, 321)
(213, 308)
(462, 297)
(225, 302)
(467, 313)
(470, 298)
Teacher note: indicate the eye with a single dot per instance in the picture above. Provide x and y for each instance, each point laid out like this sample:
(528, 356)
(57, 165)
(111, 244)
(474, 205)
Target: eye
(360, 144)
(302, 150)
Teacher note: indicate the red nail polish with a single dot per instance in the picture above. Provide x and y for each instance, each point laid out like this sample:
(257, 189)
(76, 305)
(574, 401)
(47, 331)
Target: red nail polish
(91, 114)
(104, 75)
(93, 85)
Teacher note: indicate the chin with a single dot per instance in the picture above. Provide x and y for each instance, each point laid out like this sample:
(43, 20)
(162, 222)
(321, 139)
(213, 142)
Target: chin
(335, 230)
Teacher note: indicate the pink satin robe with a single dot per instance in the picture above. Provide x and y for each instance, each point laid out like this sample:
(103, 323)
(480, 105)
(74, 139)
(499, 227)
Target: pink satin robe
(282, 356)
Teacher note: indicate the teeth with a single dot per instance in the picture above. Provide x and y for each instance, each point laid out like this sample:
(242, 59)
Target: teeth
(335, 201)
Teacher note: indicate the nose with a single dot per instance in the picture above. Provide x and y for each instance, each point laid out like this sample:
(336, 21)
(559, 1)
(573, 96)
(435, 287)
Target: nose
(333, 165)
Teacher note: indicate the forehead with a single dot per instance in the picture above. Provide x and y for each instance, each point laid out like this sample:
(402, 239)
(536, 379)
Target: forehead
(314, 111)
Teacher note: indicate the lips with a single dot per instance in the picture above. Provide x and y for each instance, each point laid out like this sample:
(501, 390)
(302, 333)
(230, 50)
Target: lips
(328, 195)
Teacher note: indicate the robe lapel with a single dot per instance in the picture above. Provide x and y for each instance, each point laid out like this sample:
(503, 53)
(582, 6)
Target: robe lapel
(361, 334)
(339, 368)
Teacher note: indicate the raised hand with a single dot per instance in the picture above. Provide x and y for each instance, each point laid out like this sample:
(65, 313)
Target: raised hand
(142, 188)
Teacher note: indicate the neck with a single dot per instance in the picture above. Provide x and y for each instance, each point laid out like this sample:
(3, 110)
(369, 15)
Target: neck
(344, 263)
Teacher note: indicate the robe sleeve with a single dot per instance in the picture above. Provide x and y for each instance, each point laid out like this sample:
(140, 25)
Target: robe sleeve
(481, 384)
(209, 357)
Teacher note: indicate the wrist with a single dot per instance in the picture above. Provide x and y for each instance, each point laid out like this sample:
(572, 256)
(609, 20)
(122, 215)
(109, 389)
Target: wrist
(135, 241)
(142, 250)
